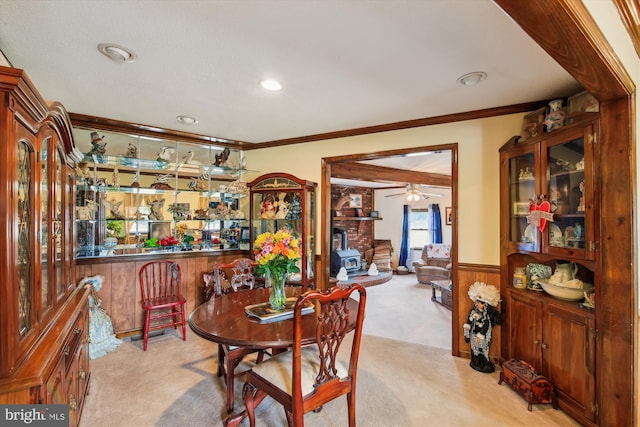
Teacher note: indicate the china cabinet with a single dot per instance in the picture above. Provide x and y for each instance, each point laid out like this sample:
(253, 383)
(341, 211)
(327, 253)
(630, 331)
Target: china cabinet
(138, 195)
(43, 322)
(549, 218)
(282, 201)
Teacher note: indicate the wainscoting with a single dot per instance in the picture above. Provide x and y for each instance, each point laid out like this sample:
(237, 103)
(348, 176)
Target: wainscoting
(467, 274)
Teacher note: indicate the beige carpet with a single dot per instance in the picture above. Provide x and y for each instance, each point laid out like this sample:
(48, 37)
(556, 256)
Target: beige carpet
(400, 383)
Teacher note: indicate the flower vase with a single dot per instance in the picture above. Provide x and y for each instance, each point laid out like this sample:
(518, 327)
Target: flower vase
(277, 297)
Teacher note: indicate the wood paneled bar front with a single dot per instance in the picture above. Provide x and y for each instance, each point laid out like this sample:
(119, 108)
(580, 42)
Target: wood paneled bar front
(120, 291)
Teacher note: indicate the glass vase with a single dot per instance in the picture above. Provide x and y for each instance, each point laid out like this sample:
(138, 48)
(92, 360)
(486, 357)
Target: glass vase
(277, 297)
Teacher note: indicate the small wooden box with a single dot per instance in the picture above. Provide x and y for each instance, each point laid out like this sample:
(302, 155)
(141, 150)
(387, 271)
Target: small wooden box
(531, 385)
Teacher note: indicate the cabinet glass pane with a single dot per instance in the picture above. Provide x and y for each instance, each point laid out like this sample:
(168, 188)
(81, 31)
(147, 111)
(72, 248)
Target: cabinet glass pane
(25, 224)
(57, 224)
(522, 188)
(44, 223)
(144, 195)
(566, 194)
(309, 232)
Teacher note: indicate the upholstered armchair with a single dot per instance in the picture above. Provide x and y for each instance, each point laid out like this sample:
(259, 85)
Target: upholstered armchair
(435, 263)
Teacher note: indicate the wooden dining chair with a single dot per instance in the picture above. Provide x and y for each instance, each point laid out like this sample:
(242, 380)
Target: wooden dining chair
(160, 283)
(306, 377)
(230, 357)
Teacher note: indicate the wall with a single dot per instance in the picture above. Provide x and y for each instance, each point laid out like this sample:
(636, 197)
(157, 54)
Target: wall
(478, 171)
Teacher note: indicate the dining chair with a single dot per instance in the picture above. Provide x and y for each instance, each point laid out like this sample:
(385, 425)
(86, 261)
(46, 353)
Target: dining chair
(230, 357)
(308, 376)
(160, 283)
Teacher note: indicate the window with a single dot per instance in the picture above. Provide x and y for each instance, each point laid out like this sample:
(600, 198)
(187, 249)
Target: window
(420, 232)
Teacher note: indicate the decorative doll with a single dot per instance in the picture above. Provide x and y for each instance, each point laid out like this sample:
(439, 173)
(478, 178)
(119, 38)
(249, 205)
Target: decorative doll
(478, 328)
(103, 339)
(268, 210)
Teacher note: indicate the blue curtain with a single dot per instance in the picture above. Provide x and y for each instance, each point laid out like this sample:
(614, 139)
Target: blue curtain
(404, 249)
(437, 223)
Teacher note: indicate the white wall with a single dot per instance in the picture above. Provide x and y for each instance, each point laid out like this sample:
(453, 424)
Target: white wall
(478, 171)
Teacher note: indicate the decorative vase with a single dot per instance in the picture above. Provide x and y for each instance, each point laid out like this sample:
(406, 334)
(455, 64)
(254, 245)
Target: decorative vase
(555, 118)
(277, 297)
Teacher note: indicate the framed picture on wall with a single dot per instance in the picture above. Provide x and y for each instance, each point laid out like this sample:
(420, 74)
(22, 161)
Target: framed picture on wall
(355, 200)
(448, 215)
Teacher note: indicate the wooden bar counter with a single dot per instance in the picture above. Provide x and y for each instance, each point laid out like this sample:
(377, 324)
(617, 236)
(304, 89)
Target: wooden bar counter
(120, 292)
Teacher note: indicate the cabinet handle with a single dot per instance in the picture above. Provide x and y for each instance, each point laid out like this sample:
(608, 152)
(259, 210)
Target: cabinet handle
(77, 330)
(82, 374)
(67, 350)
(544, 346)
(73, 405)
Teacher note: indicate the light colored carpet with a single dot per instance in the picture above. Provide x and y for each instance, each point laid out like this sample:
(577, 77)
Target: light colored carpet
(400, 383)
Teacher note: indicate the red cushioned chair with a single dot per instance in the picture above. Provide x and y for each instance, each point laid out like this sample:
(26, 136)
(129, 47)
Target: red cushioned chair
(162, 301)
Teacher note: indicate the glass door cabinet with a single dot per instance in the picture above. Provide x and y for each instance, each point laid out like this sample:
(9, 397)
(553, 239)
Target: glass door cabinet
(282, 201)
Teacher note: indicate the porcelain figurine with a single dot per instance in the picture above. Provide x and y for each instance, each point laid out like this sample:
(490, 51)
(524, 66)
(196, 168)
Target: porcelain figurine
(479, 326)
(555, 118)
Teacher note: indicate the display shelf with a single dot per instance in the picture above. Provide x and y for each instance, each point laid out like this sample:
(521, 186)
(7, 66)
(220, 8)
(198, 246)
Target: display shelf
(160, 189)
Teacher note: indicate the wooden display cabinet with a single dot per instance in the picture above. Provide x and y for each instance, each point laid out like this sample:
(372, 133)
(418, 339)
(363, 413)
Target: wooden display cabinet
(558, 338)
(133, 190)
(43, 321)
(280, 200)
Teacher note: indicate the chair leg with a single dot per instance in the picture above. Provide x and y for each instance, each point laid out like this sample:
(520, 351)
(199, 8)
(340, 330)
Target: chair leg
(351, 407)
(184, 325)
(249, 394)
(145, 331)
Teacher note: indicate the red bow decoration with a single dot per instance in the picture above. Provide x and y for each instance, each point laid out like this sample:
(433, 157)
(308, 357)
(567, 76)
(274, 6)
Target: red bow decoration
(539, 214)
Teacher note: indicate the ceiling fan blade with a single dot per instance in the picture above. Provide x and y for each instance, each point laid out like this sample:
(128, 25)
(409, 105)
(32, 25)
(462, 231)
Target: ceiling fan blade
(396, 195)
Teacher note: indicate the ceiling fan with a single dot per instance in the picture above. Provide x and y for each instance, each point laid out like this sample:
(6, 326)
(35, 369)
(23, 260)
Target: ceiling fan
(413, 193)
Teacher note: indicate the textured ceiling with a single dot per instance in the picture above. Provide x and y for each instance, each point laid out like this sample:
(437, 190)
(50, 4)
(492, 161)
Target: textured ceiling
(344, 64)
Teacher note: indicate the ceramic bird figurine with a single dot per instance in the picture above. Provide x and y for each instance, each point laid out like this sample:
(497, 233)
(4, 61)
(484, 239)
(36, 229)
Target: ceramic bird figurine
(113, 207)
(166, 154)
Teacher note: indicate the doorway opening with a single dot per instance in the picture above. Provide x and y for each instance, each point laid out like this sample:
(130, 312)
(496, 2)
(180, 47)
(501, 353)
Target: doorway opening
(391, 173)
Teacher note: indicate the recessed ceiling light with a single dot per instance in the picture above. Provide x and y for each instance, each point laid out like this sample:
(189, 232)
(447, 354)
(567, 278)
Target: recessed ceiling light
(271, 84)
(187, 120)
(471, 79)
(116, 53)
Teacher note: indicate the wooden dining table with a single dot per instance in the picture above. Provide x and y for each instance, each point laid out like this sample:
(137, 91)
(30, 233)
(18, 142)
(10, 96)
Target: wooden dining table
(223, 320)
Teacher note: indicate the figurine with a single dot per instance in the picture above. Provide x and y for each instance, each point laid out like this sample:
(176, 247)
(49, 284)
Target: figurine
(113, 207)
(581, 206)
(555, 118)
(295, 207)
(479, 325)
(222, 158)
(132, 151)
(134, 181)
(267, 210)
(373, 269)
(155, 209)
(165, 154)
(162, 182)
(98, 146)
(282, 205)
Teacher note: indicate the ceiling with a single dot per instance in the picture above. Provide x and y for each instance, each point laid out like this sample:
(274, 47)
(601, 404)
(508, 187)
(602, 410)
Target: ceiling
(343, 64)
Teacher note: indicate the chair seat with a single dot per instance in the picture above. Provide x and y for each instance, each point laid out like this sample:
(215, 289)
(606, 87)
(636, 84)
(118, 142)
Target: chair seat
(161, 302)
(277, 370)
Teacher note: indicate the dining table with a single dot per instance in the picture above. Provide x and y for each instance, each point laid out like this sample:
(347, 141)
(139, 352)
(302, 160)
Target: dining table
(223, 320)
